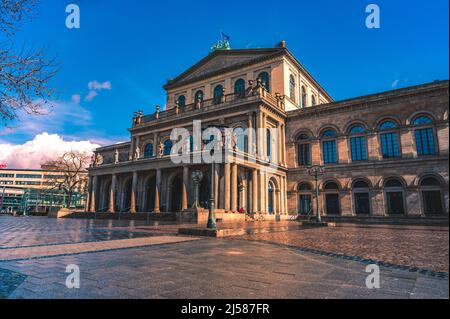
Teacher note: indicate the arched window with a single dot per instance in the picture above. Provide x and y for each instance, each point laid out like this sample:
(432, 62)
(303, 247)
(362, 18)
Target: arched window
(241, 139)
(361, 198)
(303, 150)
(358, 143)
(332, 202)
(329, 146)
(198, 99)
(393, 190)
(265, 80)
(389, 139)
(424, 136)
(148, 150)
(304, 199)
(167, 147)
(239, 88)
(292, 87)
(181, 101)
(313, 100)
(218, 94)
(304, 97)
(268, 143)
(432, 200)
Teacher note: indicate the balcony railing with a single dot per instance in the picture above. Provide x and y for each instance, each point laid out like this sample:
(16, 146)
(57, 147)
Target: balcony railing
(251, 94)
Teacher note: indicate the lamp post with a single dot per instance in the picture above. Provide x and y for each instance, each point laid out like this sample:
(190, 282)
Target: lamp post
(317, 171)
(211, 218)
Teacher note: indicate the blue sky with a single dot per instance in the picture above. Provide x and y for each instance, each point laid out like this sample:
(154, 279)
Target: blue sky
(135, 46)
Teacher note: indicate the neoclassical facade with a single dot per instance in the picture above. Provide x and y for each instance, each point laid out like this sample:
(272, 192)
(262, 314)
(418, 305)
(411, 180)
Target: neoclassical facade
(383, 154)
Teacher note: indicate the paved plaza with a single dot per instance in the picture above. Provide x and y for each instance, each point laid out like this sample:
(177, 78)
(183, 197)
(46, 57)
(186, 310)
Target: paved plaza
(135, 260)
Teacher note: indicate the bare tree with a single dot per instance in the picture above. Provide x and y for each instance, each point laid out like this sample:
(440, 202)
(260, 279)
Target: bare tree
(72, 176)
(24, 75)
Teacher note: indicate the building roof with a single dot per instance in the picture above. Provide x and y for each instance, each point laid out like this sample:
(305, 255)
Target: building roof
(222, 61)
(371, 98)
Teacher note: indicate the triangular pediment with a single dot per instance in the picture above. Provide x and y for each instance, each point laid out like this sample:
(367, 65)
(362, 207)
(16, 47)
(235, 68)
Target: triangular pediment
(221, 61)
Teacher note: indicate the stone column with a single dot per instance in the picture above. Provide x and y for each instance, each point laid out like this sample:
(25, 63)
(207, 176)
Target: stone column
(258, 134)
(261, 136)
(157, 189)
(282, 207)
(216, 186)
(255, 191)
(285, 196)
(250, 134)
(112, 193)
(155, 144)
(133, 192)
(280, 145)
(184, 195)
(93, 193)
(262, 179)
(283, 144)
(234, 186)
(227, 178)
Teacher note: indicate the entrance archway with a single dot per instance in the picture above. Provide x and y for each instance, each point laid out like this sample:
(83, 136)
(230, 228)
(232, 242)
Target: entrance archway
(204, 193)
(150, 188)
(126, 201)
(176, 192)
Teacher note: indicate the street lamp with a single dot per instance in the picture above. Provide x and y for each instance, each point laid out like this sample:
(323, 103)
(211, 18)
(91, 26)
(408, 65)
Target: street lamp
(317, 171)
(211, 218)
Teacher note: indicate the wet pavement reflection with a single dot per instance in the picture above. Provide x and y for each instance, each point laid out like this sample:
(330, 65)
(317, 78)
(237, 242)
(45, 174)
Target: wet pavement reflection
(415, 246)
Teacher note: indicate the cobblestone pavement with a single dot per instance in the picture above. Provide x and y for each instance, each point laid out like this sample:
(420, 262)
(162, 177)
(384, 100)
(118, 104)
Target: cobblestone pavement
(414, 246)
(30, 252)
(32, 231)
(160, 265)
(214, 268)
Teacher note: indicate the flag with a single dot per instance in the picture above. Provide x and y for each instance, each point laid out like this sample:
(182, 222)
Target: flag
(225, 37)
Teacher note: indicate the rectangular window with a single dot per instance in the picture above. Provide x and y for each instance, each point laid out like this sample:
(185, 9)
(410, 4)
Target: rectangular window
(7, 175)
(389, 145)
(425, 141)
(329, 152)
(358, 148)
(304, 154)
(27, 183)
(28, 176)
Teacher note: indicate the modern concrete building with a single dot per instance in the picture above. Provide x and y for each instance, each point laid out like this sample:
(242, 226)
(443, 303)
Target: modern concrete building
(21, 188)
(382, 154)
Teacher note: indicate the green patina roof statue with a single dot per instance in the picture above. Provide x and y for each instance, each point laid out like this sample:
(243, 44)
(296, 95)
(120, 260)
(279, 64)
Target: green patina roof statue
(222, 44)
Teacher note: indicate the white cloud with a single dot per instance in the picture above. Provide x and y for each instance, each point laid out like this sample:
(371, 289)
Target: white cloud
(42, 148)
(90, 96)
(95, 85)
